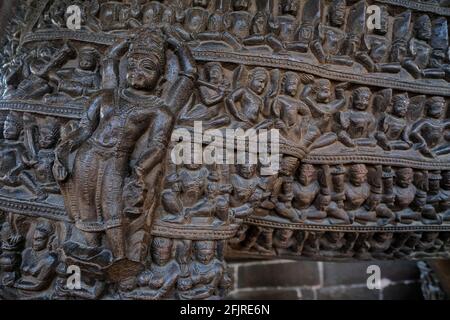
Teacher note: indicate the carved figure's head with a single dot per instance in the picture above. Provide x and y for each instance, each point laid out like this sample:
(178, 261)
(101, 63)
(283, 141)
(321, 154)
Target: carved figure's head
(337, 13)
(404, 177)
(146, 60)
(88, 58)
(290, 7)
(435, 107)
(361, 98)
(306, 174)
(214, 72)
(246, 171)
(49, 133)
(400, 104)
(258, 80)
(358, 174)
(41, 235)
(291, 81)
(161, 250)
(422, 27)
(13, 126)
(204, 251)
(323, 90)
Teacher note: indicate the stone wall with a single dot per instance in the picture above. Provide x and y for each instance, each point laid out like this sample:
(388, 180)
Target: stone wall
(309, 280)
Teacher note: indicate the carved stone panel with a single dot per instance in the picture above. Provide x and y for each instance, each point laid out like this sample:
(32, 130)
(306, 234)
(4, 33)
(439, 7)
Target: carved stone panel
(90, 109)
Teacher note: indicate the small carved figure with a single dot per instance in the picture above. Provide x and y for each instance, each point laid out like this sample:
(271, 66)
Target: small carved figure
(294, 115)
(357, 125)
(38, 262)
(212, 92)
(246, 104)
(393, 131)
(323, 108)
(15, 159)
(11, 245)
(159, 280)
(244, 195)
(81, 81)
(429, 133)
(404, 193)
(205, 273)
(418, 60)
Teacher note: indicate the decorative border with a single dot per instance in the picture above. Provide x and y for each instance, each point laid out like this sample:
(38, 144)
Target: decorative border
(65, 111)
(233, 253)
(34, 209)
(412, 4)
(345, 228)
(62, 34)
(374, 159)
(183, 232)
(418, 86)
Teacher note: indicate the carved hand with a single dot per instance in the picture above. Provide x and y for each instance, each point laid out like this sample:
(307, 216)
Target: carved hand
(59, 171)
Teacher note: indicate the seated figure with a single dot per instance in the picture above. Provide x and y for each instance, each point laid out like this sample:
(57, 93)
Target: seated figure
(38, 262)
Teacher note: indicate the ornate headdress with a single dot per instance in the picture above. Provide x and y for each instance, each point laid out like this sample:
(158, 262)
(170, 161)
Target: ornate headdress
(358, 168)
(45, 227)
(150, 42)
(162, 243)
(14, 118)
(204, 245)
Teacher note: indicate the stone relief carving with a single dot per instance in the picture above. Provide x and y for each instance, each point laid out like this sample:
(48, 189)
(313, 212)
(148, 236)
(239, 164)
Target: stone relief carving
(87, 115)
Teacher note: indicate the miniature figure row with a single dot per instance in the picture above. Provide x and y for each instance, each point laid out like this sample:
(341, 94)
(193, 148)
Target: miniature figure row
(33, 265)
(333, 32)
(345, 245)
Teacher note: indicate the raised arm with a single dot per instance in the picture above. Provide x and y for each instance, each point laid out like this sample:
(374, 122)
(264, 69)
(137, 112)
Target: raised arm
(110, 63)
(180, 92)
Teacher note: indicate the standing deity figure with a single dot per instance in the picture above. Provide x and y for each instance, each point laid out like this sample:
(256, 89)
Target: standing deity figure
(393, 131)
(38, 262)
(246, 104)
(159, 280)
(357, 125)
(102, 191)
(430, 134)
(205, 274)
(418, 58)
